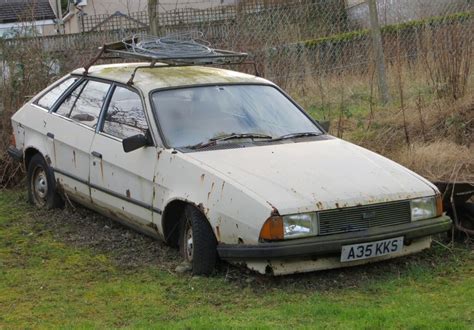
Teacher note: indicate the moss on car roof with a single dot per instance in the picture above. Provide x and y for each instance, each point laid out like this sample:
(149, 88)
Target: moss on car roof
(163, 76)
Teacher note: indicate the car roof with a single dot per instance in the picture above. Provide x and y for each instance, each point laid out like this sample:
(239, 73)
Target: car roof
(164, 76)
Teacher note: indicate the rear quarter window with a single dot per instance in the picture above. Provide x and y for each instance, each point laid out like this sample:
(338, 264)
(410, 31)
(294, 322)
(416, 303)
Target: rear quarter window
(84, 103)
(49, 99)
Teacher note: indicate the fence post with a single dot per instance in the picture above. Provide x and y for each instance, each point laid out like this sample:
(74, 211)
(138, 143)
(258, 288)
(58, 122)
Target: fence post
(153, 16)
(378, 51)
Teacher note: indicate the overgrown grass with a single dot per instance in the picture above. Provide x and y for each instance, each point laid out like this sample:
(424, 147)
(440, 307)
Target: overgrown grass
(47, 282)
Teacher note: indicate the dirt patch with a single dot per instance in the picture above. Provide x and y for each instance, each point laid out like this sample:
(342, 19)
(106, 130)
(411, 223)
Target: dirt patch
(83, 228)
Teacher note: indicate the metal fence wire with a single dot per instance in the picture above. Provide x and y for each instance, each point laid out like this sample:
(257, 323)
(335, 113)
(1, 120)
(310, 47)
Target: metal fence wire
(293, 38)
(296, 41)
(337, 58)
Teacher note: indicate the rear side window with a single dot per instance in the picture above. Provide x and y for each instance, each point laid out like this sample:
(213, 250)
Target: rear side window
(84, 103)
(125, 116)
(47, 100)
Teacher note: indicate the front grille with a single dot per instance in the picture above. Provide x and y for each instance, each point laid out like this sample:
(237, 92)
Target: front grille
(363, 217)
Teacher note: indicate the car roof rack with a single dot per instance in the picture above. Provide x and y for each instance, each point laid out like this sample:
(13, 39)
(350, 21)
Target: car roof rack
(184, 49)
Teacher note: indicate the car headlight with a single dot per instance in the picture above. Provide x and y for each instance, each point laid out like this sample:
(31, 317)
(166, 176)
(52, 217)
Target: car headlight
(298, 225)
(425, 208)
(290, 226)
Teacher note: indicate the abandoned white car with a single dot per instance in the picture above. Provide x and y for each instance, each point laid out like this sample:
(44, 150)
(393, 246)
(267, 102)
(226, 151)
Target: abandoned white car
(221, 164)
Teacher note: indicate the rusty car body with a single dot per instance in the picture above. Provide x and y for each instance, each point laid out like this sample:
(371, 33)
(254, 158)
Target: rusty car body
(285, 199)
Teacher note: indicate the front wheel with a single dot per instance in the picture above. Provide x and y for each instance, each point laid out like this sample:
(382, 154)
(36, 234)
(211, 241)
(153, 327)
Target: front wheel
(41, 186)
(197, 242)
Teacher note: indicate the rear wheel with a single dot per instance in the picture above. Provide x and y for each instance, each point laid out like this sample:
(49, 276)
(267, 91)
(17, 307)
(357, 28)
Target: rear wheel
(197, 242)
(41, 186)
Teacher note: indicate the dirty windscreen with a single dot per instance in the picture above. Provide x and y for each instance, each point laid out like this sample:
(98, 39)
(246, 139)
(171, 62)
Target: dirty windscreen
(189, 116)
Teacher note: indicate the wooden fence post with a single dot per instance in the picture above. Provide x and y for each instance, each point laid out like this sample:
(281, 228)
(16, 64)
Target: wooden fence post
(153, 16)
(378, 51)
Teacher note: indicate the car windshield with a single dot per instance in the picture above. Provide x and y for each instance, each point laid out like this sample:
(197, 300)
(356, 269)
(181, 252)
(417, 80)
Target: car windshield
(197, 115)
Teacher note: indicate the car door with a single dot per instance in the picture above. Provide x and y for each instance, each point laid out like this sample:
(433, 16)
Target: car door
(122, 183)
(37, 123)
(72, 128)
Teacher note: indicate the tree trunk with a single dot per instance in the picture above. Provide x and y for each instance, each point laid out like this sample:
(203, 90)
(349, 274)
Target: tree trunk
(153, 16)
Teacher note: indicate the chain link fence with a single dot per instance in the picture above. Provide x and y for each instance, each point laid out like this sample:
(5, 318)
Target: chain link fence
(321, 51)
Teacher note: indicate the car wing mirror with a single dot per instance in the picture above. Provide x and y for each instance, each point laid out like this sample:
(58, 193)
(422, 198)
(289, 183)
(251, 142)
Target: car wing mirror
(325, 124)
(134, 142)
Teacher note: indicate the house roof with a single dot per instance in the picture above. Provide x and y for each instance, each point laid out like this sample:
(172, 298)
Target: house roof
(25, 10)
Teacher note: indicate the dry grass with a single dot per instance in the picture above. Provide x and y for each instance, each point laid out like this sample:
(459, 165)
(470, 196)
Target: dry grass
(431, 105)
(437, 120)
(439, 161)
(429, 133)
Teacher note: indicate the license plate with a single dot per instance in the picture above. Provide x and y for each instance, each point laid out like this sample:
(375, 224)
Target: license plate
(371, 249)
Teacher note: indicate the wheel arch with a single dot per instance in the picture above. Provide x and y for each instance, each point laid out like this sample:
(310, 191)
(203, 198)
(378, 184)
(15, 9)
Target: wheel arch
(28, 155)
(171, 216)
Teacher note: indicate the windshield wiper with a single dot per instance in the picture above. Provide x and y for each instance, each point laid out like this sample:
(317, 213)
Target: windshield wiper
(231, 136)
(296, 135)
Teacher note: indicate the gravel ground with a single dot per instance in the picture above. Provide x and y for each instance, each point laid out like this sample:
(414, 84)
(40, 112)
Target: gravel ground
(131, 251)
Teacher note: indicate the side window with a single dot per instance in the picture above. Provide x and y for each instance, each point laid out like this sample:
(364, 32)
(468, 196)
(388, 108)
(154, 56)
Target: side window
(64, 108)
(85, 102)
(125, 116)
(47, 100)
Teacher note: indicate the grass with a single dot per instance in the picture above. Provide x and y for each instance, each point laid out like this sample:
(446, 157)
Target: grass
(48, 282)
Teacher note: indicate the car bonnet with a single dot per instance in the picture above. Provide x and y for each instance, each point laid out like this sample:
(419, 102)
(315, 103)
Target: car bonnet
(315, 175)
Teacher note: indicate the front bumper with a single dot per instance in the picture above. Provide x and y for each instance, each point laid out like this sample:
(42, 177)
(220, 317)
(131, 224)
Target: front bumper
(15, 153)
(332, 244)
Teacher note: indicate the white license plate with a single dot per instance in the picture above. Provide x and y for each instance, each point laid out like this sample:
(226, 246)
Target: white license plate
(371, 249)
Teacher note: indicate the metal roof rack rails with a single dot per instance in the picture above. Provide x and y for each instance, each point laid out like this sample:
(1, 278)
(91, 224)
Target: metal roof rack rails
(183, 49)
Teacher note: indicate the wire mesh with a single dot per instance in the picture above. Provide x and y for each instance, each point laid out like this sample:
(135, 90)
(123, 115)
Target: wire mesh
(178, 48)
(188, 44)
(321, 51)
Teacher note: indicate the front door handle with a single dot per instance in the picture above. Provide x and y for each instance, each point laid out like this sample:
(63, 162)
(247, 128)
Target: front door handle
(50, 135)
(96, 154)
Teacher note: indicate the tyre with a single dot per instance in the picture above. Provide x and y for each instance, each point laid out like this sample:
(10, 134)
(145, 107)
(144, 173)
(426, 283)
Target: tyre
(197, 243)
(41, 185)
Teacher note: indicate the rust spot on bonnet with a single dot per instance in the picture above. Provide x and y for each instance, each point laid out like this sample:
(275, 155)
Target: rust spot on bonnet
(158, 154)
(128, 193)
(337, 205)
(274, 211)
(202, 177)
(74, 157)
(319, 205)
(218, 233)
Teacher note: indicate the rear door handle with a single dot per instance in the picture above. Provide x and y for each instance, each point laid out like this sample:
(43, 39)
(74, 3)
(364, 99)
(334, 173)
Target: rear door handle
(50, 135)
(96, 154)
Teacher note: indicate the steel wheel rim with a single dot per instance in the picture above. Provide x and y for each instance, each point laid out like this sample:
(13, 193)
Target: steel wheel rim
(39, 186)
(188, 242)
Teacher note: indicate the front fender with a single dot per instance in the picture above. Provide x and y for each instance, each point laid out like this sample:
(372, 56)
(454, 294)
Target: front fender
(235, 215)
